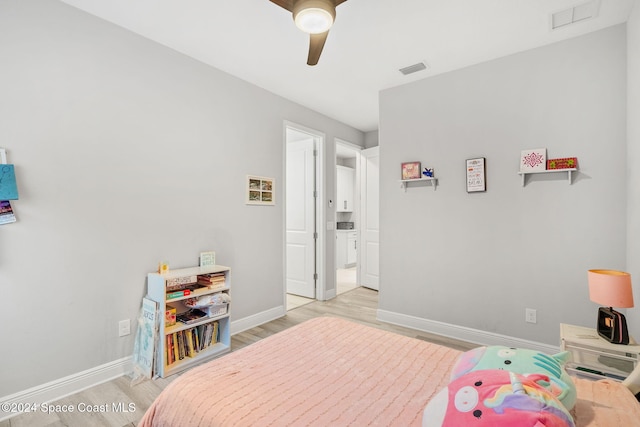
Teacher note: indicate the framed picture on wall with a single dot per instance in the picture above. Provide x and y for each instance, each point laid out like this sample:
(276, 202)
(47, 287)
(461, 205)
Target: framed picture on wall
(476, 175)
(533, 160)
(260, 190)
(411, 170)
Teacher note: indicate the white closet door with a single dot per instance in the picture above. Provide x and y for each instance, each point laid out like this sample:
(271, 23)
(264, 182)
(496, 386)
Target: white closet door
(301, 251)
(370, 218)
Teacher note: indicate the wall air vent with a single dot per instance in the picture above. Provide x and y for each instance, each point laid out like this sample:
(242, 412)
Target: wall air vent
(581, 12)
(413, 68)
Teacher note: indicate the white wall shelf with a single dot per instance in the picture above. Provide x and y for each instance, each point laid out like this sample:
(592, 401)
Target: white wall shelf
(404, 182)
(567, 171)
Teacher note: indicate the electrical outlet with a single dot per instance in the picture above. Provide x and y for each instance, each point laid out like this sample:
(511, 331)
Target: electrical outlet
(124, 327)
(530, 315)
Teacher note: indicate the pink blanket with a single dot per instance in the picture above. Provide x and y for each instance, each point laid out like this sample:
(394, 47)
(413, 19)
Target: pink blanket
(332, 372)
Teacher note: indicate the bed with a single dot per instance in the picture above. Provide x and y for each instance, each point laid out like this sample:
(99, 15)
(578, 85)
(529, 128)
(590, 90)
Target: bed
(333, 372)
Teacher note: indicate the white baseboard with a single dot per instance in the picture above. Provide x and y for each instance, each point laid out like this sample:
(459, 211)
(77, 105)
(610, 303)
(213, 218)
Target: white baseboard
(69, 385)
(75, 383)
(475, 336)
(258, 319)
(330, 294)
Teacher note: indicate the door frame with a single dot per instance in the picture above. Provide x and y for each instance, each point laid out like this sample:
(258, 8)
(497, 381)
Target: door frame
(319, 209)
(356, 203)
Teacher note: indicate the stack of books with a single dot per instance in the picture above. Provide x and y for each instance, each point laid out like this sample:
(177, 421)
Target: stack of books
(190, 342)
(212, 280)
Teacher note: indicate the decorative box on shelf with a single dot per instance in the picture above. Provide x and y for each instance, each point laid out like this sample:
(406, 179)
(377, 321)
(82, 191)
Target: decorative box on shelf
(564, 163)
(217, 310)
(170, 316)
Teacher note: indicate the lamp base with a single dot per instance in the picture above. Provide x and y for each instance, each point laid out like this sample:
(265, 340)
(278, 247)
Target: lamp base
(612, 326)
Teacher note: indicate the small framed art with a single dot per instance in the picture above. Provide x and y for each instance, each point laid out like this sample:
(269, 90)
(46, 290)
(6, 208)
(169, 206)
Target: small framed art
(207, 258)
(260, 190)
(411, 170)
(476, 175)
(533, 160)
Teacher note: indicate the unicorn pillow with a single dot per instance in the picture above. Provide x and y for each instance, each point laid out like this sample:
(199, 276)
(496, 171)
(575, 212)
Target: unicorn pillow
(495, 398)
(522, 361)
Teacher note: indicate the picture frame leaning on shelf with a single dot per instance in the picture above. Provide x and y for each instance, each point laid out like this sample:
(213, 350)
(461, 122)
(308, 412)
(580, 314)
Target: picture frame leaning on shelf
(207, 258)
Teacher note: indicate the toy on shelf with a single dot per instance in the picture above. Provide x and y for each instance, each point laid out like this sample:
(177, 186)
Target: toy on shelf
(428, 173)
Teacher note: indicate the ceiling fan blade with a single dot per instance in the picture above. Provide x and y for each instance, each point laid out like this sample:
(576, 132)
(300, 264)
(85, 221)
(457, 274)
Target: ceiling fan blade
(316, 43)
(285, 4)
(338, 2)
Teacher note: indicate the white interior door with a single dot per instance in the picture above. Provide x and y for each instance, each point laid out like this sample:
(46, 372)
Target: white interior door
(370, 218)
(301, 218)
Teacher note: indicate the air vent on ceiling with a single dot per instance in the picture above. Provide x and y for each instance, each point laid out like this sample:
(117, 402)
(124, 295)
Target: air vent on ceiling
(581, 12)
(413, 68)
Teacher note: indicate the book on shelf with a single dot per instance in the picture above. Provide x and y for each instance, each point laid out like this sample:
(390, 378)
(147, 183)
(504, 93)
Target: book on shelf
(177, 283)
(212, 279)
(176, 352)
(178, 294)
(167, 347)
(201, 336)
(180, 345)
(192, 289)
(196, 341)
(190, 348)
(170, 351)
(211, 275)
(209, 334)
(191, 316)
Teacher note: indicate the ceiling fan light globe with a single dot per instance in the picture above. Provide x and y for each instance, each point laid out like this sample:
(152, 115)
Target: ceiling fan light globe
(313, 20)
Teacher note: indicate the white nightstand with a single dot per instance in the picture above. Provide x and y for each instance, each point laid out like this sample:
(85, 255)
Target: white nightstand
(594, 357)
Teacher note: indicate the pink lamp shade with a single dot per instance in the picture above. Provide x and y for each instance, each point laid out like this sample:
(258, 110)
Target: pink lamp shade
(610, 288)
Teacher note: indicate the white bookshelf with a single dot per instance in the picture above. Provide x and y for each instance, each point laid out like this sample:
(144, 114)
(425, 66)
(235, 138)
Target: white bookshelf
(157, 291)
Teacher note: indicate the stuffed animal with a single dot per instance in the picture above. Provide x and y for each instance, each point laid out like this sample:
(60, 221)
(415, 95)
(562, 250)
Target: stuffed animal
(496, 398)
(522, 361)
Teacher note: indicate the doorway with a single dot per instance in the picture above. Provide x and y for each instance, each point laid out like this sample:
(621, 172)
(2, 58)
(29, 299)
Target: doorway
(347, 216)
(303, 241)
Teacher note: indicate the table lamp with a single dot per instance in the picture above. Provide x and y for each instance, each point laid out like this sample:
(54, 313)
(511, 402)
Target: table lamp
(611, 288)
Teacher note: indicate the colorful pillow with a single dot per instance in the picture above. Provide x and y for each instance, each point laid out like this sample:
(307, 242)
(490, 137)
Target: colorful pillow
(524, 362)
(495, 398)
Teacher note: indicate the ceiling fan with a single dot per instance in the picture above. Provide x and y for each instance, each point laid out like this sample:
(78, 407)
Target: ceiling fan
(314, 17)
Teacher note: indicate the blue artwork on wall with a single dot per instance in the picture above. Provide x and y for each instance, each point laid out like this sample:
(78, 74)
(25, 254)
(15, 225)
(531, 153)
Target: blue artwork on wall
(8, 187)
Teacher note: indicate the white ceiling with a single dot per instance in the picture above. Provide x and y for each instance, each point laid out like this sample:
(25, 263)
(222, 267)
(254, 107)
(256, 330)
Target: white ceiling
(370, 41)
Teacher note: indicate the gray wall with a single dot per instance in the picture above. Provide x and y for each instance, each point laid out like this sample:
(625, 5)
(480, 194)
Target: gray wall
(478, 260)
(127, 153)
(633, 159)
(371, 139)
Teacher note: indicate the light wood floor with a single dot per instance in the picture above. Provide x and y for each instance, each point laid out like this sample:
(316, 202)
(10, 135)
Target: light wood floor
(345, 282)
(358, 305)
